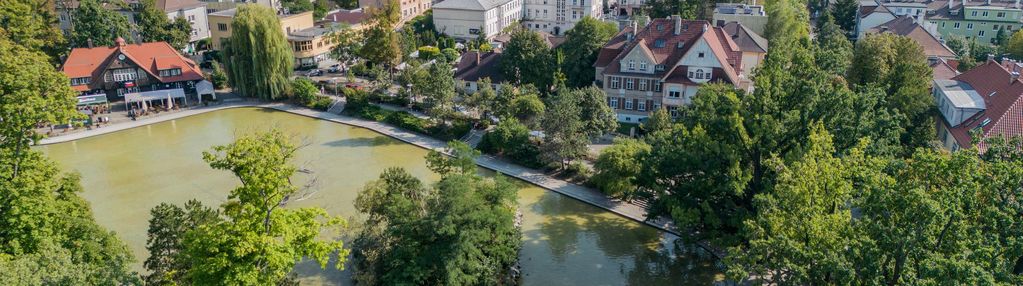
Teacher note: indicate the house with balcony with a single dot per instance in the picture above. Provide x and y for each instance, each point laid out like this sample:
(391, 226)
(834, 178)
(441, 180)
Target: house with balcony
(983, 102)
(663, 64)
(125, 69)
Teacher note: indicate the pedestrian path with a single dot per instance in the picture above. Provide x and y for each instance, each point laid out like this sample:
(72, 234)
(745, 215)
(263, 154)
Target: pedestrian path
(587, 195)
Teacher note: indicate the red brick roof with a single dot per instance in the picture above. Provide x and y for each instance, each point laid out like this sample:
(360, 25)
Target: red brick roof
(151, 57)
(1002, 98)
(662, 29)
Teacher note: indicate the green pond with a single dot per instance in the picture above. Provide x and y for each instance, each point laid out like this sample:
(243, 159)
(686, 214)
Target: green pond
(565, 241)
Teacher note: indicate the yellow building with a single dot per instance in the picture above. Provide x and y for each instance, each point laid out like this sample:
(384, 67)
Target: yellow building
(309, 43)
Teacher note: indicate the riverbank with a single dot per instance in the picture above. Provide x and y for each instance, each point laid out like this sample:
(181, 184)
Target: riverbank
(584, 194)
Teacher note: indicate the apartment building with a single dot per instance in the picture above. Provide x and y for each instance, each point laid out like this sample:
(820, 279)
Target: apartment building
(310, 43)
(470, 19)
(557, 16)
(663, 64)
(191, 10)
(409, 8)
(979, 20)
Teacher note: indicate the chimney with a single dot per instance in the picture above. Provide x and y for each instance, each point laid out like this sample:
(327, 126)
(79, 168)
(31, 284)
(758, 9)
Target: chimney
(990, 57)
(632, 33)
(478, 55)
(678, 24)
(119, 42)
(89, 42)
(706, 26)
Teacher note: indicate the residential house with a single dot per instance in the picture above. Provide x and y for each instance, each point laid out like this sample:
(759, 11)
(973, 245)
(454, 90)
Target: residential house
(66, 12)
(557, 16)
(354, 19)
(191, 10)
(663, 64)
(626, 8)
(470, 19)
(130, 69)
(978, 20)
(869, 15)
(751, 44)
(985, 101)
(409, 8)
(752, 17)
(310, 43)
(213, 6)
(474, 66)
(910, 27)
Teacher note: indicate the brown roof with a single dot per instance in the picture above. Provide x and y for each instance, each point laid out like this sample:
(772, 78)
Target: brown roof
(747, 40)
(867, 10)
(474, 66)
(907, 26)
(151, 57)
(669, 54)
(612, 48)
(1003, 113)
(943, 69)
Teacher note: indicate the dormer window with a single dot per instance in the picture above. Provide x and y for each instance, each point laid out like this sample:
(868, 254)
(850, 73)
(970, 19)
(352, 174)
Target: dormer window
(632, 65)
(659, 43)
(642, 66)
(170, 72)
(80, 81)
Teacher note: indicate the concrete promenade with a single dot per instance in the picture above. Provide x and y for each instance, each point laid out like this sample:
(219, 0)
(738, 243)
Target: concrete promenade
(587, 195)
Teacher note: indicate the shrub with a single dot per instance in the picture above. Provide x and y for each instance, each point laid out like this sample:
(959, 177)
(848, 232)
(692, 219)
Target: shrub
(427, 53)
(408, 121)
(304, 90)
(511, 139)
(450, 55)
(578, 171)
(320, 102)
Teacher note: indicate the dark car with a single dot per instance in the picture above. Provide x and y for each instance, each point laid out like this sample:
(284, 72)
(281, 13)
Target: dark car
(315, 72)
(336, 68)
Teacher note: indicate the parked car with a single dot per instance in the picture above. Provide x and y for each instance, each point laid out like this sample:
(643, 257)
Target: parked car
(336, 68)
(315, 72)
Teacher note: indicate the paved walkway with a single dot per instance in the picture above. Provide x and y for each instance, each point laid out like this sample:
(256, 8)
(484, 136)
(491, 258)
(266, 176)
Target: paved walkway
(578, 192)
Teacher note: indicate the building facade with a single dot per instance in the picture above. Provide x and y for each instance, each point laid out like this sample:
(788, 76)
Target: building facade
(974, 20)
(557, 16)
(663, 64)
(752, 17)
(985, 101)
(409, 8)
(310, 43)
(470, 19)
(130, 68)
(191, 10)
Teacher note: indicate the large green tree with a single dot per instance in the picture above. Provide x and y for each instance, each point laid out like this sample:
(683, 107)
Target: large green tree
(258, 57)
(582, 44)
(565, 132)
(687, 9)
(618, 168)
(259, 241)
(32, 24)
(94, 22)
(167, 263)
(844, 12)
(154, 26)
(382, 45)
(527, 59)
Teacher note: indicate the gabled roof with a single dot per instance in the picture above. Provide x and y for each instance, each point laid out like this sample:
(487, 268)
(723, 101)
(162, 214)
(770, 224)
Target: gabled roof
(668, 49)
(1003, 94)
(747, 40)
(867, 10)
(474, 66)
(942, 69)
(475, 5)
(151, 57)
(907, 26)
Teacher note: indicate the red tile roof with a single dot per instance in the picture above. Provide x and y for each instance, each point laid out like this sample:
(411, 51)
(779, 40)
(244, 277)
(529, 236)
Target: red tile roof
(1002, 95)
(662, 29)
(907, 26)
(151, 57)
(474, 66)
(943, 69)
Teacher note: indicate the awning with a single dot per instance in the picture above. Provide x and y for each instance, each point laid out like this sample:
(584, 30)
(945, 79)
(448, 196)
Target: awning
(92, 99)
(162, 94)
(204, 87)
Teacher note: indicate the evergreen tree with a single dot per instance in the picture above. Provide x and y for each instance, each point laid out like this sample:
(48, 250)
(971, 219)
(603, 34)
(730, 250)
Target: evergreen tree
(844, 12)
(258, 58)
(167, 263)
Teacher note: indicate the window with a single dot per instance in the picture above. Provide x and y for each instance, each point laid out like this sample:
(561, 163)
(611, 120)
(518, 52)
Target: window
(628, 104)
(984, 14)
(632, 65)
(222, 26)
(614, 83)
(120, 75)
(942, 24)
(699, 74)
(974, 14)
(969, 26)
(629, 84)
(474, 31)
(659, 43)
(170, 72)
(642, 84)
(80, 81)
(191, 17)
(995, 27)
(657, 86)
(700, 55)
(614, 103)
(708, 75)
(980, 33)
(659, 67)
(674, 94)
(642, 66)
(641, 106)
(673, 110)
(1000, 15)
(955, 25)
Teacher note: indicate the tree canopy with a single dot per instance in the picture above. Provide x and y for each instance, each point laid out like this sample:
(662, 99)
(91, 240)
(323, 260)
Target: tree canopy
(94, 22)
(526, 59)
(258, 58)
(155, 27)
(582, 43)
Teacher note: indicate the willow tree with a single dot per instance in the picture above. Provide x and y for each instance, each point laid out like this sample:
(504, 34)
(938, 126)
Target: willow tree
(258, 56)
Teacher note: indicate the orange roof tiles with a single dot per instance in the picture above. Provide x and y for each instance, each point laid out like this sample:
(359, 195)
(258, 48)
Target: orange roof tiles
(151, 57)
(1002, 94)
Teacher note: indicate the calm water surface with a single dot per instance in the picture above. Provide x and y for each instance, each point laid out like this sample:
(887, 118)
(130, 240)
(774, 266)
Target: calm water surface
(565, 242)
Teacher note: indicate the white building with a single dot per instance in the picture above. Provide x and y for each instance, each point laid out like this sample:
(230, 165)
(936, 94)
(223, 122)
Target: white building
(468, 19)
(191, 10)
(557, 16)
(750, 16)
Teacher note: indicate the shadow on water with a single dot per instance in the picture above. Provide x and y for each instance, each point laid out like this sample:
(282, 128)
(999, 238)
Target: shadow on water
(647, 256)
(363, 142)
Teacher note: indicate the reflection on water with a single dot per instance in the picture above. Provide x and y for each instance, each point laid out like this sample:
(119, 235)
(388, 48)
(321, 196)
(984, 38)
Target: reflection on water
(565, 242)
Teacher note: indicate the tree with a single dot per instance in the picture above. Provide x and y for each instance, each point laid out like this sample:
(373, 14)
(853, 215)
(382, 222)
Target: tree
(598, 118)
(659, 120)
(618, 168)
(320, 9)
(833, 51)
(92, 22)
(155, 27)
(32, 24)
(582, 43)
(258, 58)
(381, 42)
(461, 232)
(527, 107)
(438, 88)
(218, 77)
(687, 9)
(845, 14)
(897, 65)
(259, 241)
(483, 100)
(1014, 45)
(1001, 37)
(510, 138)
(526, 59)
(304, 90)
(298, 6)
(347, 4)
(565, 135)
(462, 159)
(167, 263)
(789, 21)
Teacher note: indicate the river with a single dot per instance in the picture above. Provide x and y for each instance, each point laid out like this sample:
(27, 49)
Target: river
(565, 242)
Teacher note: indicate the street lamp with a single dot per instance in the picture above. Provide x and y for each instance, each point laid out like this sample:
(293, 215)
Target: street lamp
(411, 97)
